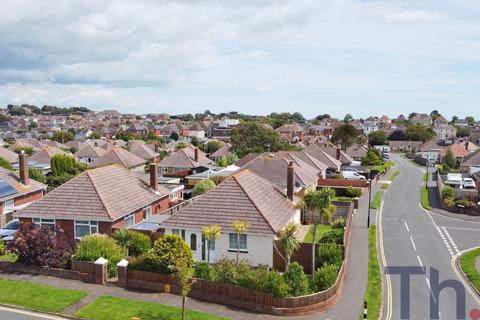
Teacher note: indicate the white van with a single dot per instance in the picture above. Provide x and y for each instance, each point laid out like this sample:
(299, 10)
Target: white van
(352, 175)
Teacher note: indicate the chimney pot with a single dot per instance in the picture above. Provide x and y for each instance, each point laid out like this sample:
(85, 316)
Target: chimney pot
(153, 176)
(23, 168)
(338, 154)
(290, 180)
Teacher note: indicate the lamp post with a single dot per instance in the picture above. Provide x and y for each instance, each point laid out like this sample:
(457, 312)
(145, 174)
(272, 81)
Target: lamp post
(369, 183)
(426, 179)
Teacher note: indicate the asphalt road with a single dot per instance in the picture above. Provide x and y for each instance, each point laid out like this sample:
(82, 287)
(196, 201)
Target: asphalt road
(413, 237)
(7, 313)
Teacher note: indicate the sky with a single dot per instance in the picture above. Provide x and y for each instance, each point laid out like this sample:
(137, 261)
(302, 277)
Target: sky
(252, 56)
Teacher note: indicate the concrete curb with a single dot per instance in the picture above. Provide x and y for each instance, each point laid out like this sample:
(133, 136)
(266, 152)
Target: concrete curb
(459, 270)
(46, 313)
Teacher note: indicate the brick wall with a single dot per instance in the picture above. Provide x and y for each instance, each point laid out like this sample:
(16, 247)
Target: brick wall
(28, 197)
(342, 183)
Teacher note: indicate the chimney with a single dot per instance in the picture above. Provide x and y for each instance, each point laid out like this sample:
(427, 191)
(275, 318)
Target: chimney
(114, 143)
(153, 175)
(196, 154)
(96, 144)
(23, 167)
(466, 145)
(290, 180)
(338, 153)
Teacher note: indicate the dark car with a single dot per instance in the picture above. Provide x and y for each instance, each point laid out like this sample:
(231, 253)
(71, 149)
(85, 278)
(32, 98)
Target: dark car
(9, 230)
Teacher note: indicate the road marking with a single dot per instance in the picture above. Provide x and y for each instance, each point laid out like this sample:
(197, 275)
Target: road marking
(420, 262)
(462, 277)
(406, 226)
(444, 239)
(430, 290)
(464, 229)
(451, 240)
(413, 244)
(388, 280)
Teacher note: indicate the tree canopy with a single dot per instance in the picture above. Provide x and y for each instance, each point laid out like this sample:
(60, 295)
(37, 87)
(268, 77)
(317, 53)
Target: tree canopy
(202, 186)
(377, 138)
(63, 136)
(419, 132)
(345, 135)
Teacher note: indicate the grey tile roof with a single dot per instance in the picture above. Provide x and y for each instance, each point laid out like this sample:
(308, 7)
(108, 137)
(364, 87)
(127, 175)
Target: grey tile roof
(321, 155)
(472, 160)
(44, 155)
(103, 194)
(12, 179)
(90, 151)
(185, 158)
(145, 152)
(222, 152)
(243, 196)
(8, 155)
(119, 156)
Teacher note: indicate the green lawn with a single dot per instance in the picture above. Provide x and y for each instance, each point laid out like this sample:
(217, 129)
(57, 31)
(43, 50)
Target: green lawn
(373, 294)
(321, 229)
(425, 198)
(10, 257)
(377, 200)
(106, 308)
(394, 175)
(38, 296)
(468, 265)
(385, 185)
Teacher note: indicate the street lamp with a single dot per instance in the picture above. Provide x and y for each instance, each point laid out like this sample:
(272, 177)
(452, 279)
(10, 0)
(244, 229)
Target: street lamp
(369, 184)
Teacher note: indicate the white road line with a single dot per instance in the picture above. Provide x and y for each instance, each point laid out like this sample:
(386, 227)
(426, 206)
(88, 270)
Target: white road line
(451, 240)
(413, 244)
(464, 229)
(388, 315)
(420, 262)
(406, 226)
(430, 290)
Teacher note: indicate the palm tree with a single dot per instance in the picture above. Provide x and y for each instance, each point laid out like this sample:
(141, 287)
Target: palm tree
(319, 205)
(210, 234)
(240, 227)
(287, 241)
(122, 238)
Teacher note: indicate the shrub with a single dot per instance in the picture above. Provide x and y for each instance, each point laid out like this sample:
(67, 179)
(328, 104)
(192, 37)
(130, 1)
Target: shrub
(448, 193)
(339, 223)
(332, 236)
(2, 248)
(252, 278)
(139, 243)
(296, 279)
(37, 175)
(276, 285)
(225, 270)
(5, 164)
(202, 186)
(465, 203)
(329, 254)
(40, 246)
(95, 246)
(448, 202)
(324, 277)
(353, 192)
(164, 255)
(203, 271)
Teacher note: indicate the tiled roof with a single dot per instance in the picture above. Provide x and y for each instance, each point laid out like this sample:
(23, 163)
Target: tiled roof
(45, 155)
(472, 160)
(13, 180)
(321, 155)
(273, 167)
(246, 159)
(222, 152)
(103, 194)
(145, 152)
(119, 156)
(243, 196)
(185, 158)
(8, 155)
(90, 151)
(75, 144)
(290, 127)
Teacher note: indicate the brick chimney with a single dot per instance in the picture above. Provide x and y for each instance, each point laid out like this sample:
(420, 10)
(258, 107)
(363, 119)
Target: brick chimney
(96, 144)
(338, 154)
(290, 180)
(23, 167)
(466, 145)
(196, 154)
(153, 175)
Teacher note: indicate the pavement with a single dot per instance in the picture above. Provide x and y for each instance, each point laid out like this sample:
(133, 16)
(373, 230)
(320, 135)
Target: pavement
(352, 294)
(410, 236)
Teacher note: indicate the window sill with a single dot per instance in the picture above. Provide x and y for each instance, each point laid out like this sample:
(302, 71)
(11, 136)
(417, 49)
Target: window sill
(235, 250)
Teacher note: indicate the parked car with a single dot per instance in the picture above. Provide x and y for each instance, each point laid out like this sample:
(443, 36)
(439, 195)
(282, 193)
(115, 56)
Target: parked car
(8, 231)
(468, 183)
(352, 175)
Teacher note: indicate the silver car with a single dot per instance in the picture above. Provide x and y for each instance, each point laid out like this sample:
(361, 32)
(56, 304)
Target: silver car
(8, 231)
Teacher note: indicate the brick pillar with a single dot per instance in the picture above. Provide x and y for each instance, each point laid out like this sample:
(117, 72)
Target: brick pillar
(122, 273)
(355, 202)
(101, 271)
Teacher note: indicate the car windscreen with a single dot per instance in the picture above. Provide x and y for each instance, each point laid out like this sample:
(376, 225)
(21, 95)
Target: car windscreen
(12, 225)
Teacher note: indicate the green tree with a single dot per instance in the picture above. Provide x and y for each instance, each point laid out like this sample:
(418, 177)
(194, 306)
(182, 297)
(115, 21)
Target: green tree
(211, 233)
(463, 132)
(194, 141)
(37, 175)
(166, 253)
(419, 132)
(318, 205)
(287, 243)
(174, 136)
(450, 159)
(377, 138)
(348, 117)
(28, 150)
(63, 136)
(296, 279)
(223, 162)
(94, 135)
(5, 164)
(32, 125)
(434, 114)
(202, 186)
(372, 158)
(253, 136)
(239, 227)
(185, 278)
(470, 120)
(345, 135)
(212, 146)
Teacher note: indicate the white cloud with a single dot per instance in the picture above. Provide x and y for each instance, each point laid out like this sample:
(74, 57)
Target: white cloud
(414, 16)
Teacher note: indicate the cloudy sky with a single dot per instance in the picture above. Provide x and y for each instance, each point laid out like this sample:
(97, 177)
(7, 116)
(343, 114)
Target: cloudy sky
(253, 56)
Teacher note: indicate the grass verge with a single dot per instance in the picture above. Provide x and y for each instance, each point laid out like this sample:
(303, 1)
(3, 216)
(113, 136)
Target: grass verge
(468, 264)
(38, 296)
(385, 185)
(106, 308)
(321, 229)
(373, 294)
(394, 175)
(425, 198)
(377, 200)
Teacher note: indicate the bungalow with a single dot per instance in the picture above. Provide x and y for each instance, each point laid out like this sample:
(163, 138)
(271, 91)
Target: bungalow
(293, 131)
(88, 154)
(145, 152)
(334, 152)
(319, 153)
(98, 201)
(138, 129)
(471, 162)
(404, 145)
(17, 191)
(244, 196)
(221, 153)
(44, 156)
(186, 159)
(122, 157)
(357, 152)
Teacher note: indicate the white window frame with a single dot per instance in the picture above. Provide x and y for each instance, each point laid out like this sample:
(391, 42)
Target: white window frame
(92, 227)
(232, 239)
(147, 211)
(128, 217)
(6, 208)
(45, 222)
(163, 170)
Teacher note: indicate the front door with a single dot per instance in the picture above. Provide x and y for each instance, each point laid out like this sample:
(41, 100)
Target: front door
(194, 240)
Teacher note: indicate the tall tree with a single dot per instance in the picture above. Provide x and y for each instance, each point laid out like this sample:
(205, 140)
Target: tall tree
(345, 135)
(377, 138)
(419, 132)
(348, 117)
(434, 114)
(240, 227)
(211, 233)
(287, 242)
